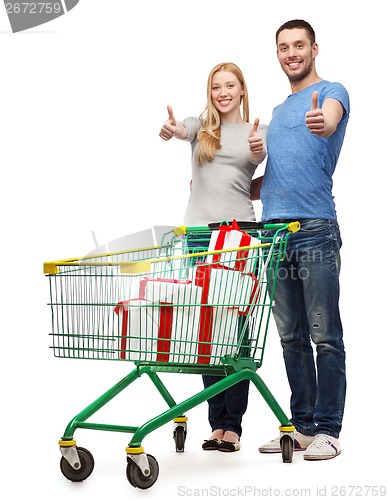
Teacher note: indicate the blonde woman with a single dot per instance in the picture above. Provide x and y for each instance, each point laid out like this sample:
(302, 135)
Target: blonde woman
(226, 150)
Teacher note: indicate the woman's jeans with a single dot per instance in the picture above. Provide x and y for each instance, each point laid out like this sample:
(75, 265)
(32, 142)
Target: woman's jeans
(227, 408)
(306, 308)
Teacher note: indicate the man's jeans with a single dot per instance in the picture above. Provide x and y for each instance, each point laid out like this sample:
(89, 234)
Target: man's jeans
(306, 308)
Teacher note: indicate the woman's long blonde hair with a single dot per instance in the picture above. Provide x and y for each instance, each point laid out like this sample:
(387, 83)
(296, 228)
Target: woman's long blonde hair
(209, 138)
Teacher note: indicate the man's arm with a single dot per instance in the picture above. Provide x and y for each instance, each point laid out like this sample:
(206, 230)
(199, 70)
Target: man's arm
(256, 187)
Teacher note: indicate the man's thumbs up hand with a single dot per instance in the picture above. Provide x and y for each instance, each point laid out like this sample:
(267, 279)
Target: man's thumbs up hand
(315, 121)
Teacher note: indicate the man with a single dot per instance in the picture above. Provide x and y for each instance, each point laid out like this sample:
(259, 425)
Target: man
(304, 141)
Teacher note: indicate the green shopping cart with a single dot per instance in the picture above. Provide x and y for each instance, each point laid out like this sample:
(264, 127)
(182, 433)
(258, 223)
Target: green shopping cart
(198, 303)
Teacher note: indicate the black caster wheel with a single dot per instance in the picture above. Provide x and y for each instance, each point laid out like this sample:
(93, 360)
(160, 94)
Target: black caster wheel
(87, 466)
(180, 438)
(287, 446)
(137, 479)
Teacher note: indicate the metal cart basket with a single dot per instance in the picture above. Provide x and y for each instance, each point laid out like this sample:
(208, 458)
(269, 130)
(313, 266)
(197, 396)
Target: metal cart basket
(191, 305)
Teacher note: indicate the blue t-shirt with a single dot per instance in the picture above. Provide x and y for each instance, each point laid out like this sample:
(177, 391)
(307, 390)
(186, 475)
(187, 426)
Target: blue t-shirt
(298, 176)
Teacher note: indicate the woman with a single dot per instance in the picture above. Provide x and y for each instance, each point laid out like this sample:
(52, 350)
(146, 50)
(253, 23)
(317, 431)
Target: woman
(226, 150)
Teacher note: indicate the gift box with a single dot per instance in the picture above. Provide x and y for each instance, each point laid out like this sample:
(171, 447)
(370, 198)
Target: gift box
(218, 321)
(158, 332)
(226, 296)
(138, 330)
(186, 321)
(226, 286)
(218, 334)
(228, 237)
(248, 293)
(176, 291)
(181, 338)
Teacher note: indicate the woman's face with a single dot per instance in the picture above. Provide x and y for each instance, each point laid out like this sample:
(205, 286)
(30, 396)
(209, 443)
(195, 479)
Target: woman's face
(226, 92)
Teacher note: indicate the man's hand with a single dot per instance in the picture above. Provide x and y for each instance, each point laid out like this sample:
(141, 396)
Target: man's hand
(315, 121)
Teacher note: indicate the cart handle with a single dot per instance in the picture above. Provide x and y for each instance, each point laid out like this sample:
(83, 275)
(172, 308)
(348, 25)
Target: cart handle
(143, 266)
(292, 227)
(140, 266)
(51, 267)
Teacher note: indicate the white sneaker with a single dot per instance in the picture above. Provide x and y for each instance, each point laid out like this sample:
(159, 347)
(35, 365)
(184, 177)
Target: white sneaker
(301, 442)
(322, 448)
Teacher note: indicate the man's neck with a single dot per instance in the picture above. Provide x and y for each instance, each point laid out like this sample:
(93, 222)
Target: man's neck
(299, 85)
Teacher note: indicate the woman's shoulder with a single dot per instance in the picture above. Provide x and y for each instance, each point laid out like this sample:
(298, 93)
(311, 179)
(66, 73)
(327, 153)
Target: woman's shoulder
(192, 121)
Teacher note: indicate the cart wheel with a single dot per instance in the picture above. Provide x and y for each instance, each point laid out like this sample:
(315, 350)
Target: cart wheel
(287, 446)
(137, 479)
(87, 466)
(179, 438)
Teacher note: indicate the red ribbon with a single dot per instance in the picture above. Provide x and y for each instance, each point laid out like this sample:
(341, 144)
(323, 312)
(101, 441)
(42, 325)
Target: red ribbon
(202, 278)
(143, 283)
(244, 242)
(164, 334)
(123, 306)
(164, 331)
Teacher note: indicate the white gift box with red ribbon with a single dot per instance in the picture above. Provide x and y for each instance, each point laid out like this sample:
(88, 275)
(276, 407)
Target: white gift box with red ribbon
(186, 321)
(138, 330)
(176, 291)
(157, 332)
(226, 296)
(226, 286)
(231, 236)
(179, 311)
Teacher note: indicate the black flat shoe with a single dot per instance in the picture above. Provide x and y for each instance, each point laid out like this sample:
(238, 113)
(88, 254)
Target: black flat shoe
(211, 444)
(228, 446)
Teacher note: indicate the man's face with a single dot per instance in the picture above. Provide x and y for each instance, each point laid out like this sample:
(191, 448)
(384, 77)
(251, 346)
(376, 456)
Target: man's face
(296, 54)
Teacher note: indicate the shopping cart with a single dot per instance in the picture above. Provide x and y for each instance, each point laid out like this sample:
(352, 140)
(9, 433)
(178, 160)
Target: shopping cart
(191, 305)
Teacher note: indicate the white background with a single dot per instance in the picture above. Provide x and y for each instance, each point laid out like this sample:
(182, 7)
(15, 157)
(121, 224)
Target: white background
(83, 99)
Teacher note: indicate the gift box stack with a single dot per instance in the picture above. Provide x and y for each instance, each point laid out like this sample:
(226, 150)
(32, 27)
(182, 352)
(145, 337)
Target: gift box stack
(194, 320)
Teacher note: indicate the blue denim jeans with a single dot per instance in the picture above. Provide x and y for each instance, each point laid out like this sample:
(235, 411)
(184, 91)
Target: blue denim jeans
(226, 409)
(306, 309)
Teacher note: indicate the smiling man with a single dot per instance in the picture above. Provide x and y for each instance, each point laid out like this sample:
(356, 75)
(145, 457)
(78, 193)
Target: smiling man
(304, 140)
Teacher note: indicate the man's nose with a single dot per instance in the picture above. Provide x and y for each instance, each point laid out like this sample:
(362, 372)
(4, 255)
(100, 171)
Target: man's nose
(291, 52)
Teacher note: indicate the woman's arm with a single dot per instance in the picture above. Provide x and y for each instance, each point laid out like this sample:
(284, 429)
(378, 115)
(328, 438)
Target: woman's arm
(257, 148)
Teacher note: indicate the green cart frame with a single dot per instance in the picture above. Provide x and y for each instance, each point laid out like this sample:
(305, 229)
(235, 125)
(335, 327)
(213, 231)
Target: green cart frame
(170, 308)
